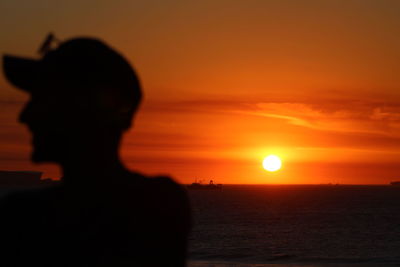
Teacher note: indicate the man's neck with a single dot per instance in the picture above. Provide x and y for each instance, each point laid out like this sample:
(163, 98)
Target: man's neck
(96, 169)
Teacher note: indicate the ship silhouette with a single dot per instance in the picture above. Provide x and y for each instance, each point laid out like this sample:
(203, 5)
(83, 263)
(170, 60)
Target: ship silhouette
(199, 186)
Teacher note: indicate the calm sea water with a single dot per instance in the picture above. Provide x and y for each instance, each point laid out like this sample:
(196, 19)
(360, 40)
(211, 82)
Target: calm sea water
(296, 226)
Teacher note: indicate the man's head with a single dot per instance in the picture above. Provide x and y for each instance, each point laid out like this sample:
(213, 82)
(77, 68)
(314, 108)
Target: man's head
(80, 89)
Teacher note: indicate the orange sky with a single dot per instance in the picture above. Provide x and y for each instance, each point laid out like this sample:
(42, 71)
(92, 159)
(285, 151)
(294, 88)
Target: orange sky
(228, 82)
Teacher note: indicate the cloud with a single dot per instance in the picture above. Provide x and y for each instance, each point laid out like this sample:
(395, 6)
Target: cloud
(351, 115)
(359, 118)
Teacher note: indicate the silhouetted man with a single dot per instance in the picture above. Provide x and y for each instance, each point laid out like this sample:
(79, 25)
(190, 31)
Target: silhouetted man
(83, 96)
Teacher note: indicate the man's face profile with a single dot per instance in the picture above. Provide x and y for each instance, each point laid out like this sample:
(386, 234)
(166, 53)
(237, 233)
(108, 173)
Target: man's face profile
(48, 123)
(82, 92)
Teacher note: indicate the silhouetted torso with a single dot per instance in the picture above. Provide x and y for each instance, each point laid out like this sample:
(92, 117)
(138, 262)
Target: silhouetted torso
(133, 221)
(83, 95)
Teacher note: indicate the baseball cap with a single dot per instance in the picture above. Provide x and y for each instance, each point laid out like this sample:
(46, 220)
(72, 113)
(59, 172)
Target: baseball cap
(84, 67)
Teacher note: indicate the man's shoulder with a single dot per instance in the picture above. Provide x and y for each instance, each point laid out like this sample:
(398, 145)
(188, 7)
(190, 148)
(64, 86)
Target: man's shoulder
(162, 188)
(27, 199)
(162, 183)
(171, 197)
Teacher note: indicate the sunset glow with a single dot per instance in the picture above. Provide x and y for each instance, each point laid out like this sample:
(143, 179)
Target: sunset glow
(272, 163)
(319, 83)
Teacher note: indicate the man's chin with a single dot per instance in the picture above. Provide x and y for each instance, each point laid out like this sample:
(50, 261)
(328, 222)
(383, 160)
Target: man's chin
(38, 157)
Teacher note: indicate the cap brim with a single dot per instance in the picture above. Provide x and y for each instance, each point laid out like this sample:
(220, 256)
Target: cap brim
(21, 72)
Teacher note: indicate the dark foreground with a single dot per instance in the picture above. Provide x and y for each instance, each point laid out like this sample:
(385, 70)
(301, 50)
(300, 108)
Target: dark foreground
(302, 226)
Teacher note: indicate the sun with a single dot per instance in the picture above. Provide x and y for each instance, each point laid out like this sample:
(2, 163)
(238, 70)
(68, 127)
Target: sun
(272, 163)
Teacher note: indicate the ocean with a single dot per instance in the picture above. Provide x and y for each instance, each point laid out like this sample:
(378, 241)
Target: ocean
(295, 225)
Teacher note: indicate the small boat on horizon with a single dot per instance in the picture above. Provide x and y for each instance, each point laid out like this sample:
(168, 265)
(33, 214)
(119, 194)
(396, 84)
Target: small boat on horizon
(395, 183)
(199, 186)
